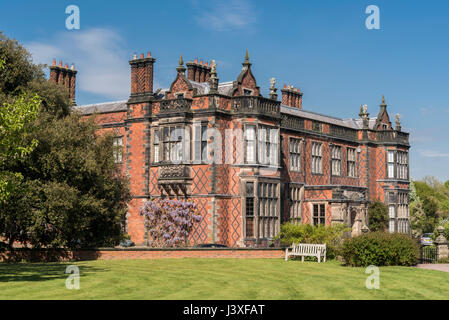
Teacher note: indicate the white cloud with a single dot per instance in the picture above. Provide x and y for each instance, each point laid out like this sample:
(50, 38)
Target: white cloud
(222, 15)
(99, 56)
(433, 154)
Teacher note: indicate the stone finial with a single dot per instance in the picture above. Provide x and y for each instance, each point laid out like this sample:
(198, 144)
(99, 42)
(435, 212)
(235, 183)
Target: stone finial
(363, 111)
(398, 122)
(213, 66)
(273, 94)
(441, 239)
(441, 244)
(364, 115)
(383, 105)
(180, 67)
(213, 80)
(246, 63)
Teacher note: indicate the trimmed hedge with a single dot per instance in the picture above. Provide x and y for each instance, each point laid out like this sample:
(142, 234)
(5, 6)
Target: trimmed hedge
(380, 249)
(306, 233)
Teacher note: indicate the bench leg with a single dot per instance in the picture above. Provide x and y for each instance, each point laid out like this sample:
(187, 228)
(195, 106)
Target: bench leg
(319, 259)
(302, 258)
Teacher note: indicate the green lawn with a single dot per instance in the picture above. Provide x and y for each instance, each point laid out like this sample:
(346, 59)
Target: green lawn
(217, 279)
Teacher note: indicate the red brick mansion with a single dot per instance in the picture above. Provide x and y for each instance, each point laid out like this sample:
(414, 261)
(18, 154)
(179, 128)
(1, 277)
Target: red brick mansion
(248, 162)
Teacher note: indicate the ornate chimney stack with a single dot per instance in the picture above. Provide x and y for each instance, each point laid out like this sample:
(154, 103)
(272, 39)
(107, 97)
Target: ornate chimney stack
(65, 76)
(142, 75)
(198, 72)
(291, 97)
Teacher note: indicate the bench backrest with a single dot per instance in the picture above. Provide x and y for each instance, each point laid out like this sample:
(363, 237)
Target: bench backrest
(308, 248)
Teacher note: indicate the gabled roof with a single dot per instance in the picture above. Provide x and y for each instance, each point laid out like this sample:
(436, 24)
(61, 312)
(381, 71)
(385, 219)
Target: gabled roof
(316, 116)
(105, 107)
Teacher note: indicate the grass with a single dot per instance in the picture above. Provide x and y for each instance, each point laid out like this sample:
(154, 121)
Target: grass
(236, 279)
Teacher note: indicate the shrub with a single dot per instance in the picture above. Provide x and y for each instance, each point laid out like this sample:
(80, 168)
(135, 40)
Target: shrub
(306, 233)
(380, 249)
(169, 222)
(378, 216)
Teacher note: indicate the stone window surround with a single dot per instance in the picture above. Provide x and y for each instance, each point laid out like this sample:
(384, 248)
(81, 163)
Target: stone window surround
(258, 124)
(318, 157)
(190, 145)
(300, 142)
(311, 207)
(395, 151)
(116, 149)
(296, 199)
(256, 182)
(395, 199)
(333, 158)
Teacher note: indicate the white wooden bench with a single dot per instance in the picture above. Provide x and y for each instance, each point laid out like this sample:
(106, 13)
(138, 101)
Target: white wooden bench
(307, 250)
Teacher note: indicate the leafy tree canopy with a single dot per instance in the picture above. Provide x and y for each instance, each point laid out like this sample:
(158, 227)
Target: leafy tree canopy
(67, 190)
(429, 204)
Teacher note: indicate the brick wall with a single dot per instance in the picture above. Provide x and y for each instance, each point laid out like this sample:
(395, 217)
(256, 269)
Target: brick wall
(137, 253)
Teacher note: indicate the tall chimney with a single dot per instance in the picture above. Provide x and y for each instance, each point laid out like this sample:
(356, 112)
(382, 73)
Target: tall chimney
(291, 97)
(65, 76)
(142, 74)
(198, 72)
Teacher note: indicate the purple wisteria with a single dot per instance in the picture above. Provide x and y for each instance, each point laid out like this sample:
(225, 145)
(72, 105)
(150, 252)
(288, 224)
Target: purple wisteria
(169, 222)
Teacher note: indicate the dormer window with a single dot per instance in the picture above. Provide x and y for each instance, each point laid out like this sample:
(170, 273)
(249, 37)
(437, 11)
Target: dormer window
(180, 96)
(247, 92)
(384, 126)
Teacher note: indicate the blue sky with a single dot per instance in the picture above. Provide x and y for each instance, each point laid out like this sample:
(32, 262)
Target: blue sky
(321, 46)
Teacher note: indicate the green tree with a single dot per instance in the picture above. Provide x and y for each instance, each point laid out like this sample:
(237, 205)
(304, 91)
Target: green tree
(70, 193)
(429, 205)
(14, 117)
(413, 194)
(378, 216)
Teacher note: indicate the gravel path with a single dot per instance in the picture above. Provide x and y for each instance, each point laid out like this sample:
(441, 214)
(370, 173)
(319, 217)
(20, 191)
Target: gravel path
(438, 267)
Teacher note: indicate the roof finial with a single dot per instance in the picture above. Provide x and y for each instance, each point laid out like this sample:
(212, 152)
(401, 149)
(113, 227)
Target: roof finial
(246, 63)
(180, 67)
(273, 94)
(213, 80)
(398, 122)
(383, 99)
